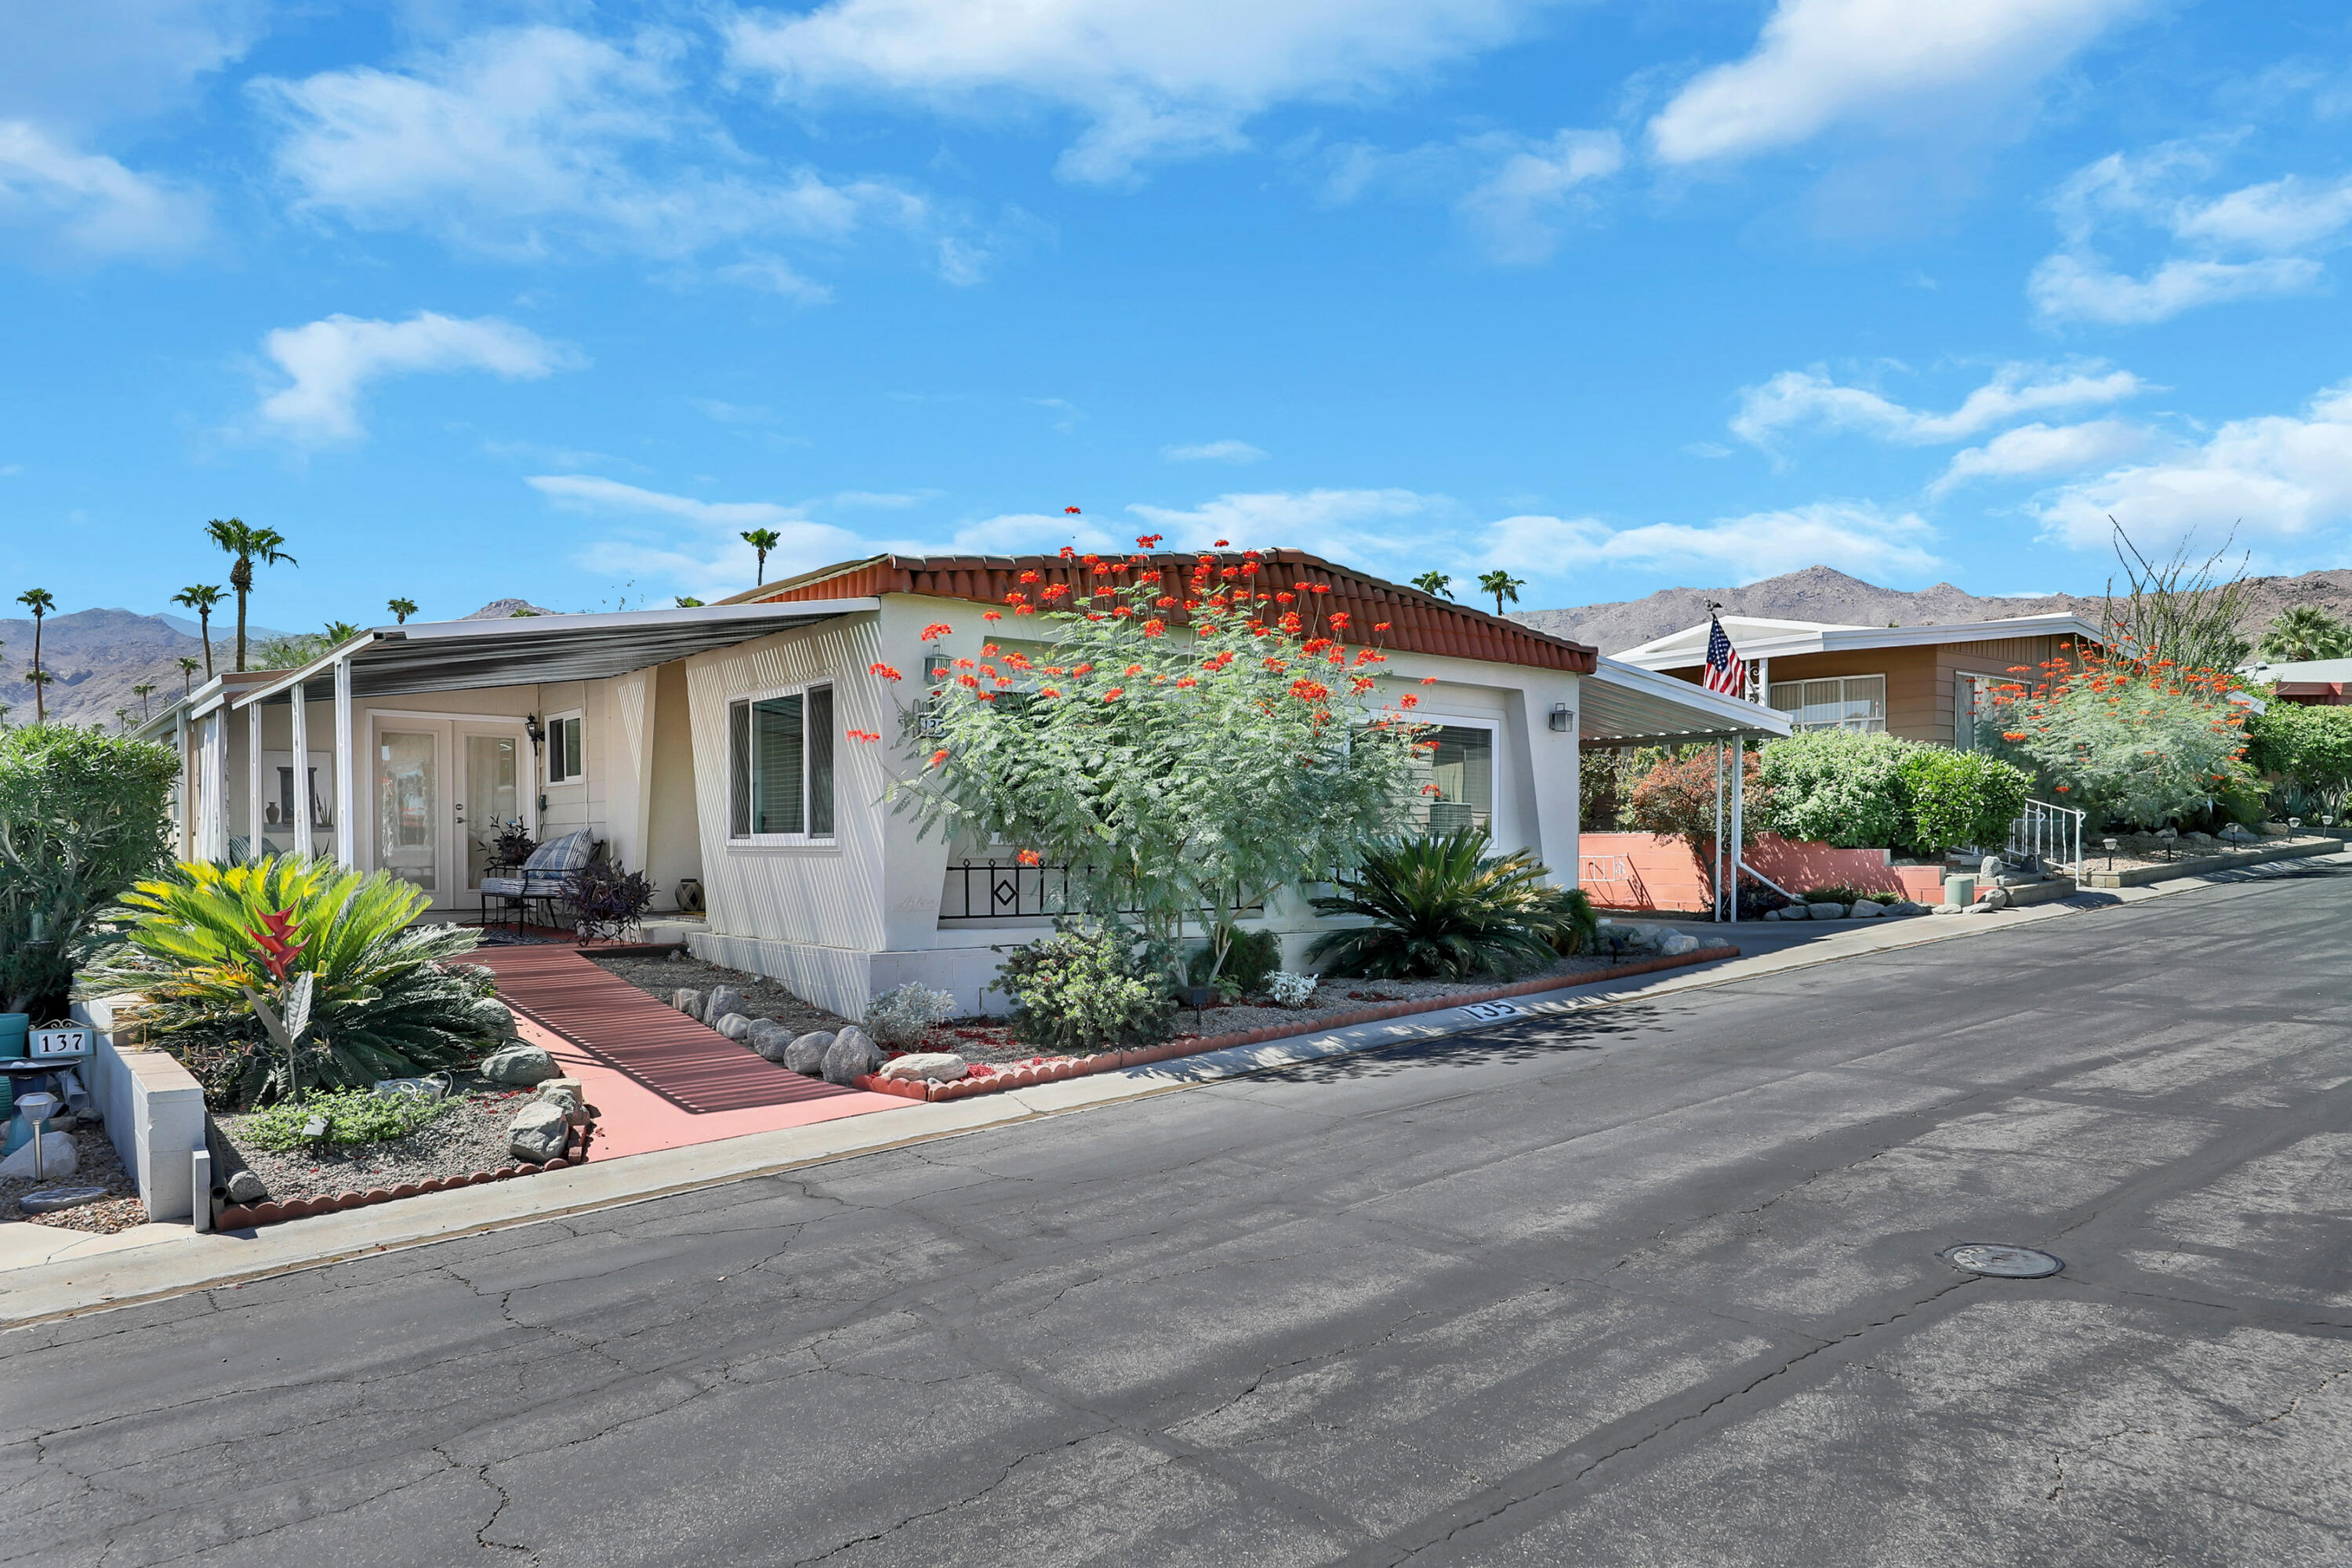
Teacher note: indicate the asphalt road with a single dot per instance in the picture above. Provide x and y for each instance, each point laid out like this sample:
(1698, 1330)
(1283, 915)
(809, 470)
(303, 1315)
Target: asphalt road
(1657, 1285)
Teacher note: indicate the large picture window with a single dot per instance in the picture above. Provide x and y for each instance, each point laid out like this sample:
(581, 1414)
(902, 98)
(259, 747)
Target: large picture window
(1855, 702)
(1462, 773)
(780, 766)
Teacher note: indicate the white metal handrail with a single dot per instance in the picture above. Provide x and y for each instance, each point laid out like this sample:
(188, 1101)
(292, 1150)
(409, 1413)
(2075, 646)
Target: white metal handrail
(2048, 832)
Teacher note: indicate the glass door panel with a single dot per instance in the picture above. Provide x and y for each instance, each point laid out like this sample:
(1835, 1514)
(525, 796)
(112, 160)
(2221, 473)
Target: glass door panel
(493, 800)
(408, 805)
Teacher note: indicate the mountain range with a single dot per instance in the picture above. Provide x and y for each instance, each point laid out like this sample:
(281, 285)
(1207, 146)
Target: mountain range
(1824, 594)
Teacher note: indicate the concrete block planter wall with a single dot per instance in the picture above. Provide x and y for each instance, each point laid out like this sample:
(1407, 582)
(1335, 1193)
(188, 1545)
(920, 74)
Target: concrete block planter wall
(2140, 875)
(1081, 1067)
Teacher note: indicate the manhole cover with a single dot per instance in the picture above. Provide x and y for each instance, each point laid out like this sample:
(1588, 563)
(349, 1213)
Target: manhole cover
(2002, 1261)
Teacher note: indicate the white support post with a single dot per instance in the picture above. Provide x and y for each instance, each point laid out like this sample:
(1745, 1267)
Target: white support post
(346, 784)
(1738, 816)
(1760, 676)
(253, 840)
(1714, 871)
(212, 760)
(301, 771)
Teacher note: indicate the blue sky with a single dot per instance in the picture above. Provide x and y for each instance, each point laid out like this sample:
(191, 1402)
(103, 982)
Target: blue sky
(554, 300)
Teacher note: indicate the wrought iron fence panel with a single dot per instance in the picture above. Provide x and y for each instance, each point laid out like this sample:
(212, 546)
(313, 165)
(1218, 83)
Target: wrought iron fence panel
(1006, 890)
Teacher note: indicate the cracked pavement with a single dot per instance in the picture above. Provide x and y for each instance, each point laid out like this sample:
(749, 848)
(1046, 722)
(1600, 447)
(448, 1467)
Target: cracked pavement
(1656, 1284)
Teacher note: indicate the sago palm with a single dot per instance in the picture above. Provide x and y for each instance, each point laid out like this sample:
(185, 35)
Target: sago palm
(385, 1001)
(1443, 908)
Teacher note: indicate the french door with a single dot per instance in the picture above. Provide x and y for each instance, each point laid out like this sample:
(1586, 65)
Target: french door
(444, 788)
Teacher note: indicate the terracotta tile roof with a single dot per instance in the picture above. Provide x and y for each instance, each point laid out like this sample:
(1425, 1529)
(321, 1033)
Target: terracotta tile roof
(1418, 622)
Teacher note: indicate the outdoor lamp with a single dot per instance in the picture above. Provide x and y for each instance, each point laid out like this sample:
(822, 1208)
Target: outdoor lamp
(2167, 835)
(2111, 852)
(1562, 718)
(2293, 822)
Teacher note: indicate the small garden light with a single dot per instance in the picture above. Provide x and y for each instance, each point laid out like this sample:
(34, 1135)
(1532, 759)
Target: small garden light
(2111, 853)
(2166, 836)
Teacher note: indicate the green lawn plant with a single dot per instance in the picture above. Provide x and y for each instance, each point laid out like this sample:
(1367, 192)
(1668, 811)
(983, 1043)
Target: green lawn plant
(353, 1115)
(1088, 988)
(83, 816)
(384, 1000)
(1182, 734)
(1834, 787)
(2304, 752)
(1444, 906)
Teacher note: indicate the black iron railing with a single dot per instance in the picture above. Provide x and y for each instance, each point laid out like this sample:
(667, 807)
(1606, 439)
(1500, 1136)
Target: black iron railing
(1006, 889)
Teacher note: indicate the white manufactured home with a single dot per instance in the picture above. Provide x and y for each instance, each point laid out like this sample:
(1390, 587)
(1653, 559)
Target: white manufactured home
(707, 748)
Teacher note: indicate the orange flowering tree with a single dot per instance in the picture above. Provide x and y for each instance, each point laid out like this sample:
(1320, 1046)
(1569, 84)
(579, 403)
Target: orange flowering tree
(2141, 740)
(1172, 731)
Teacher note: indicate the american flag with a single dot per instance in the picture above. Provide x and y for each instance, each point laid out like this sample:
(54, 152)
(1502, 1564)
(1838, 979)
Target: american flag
(1725, 671)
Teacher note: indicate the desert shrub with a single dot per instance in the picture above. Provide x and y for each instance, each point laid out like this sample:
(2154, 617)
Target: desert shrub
(1442, 907)
(385, 1001)
(1677, 800)
(2305, 753)
(2141, 742)
(902, 1018)
(1084, 990)
(1291, 990)
(1250, 957)
(353, 1115)
(82, 816)
(1957, 798)
(1839, 893)
(1834, 787)
(1579, 925)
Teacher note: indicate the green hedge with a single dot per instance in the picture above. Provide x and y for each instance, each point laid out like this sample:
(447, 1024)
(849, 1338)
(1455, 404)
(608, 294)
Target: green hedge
(1879, 792)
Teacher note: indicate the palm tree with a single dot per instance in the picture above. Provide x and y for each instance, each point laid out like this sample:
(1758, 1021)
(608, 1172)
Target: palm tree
(689, 602)
(246, 544)
(1503, 585)
(143, 691)
(201, 597)
(762, 540)
(338, 633)
(1437, 584)
(40, 601)
(402, 609)
(189, 665)
(2304, 632)
(122, 717)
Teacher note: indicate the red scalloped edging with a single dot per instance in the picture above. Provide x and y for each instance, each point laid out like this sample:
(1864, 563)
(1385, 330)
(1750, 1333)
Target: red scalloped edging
(1105, 1061)
(243, 1217)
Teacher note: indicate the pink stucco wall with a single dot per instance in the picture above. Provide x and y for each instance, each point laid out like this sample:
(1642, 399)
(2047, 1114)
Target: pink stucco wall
(1639, 871)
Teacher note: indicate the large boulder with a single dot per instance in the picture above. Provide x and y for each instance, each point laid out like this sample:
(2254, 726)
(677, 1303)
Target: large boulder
(935, 1066)
(1906, 907)
(540, 1133)
(686, 1000)
(520, 1066)
(805, 1055)
(1794, 912)
(852, 1054)
(1825, 911)
(1866, 910)
(722, 1000)
(1673, 943)
(768, 1038)
(734, 1025)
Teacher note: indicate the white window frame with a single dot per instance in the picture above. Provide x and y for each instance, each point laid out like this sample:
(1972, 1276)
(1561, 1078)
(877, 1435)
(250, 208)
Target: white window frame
(786, 840)
(1494, 728)
(578, 774)
(1864, 727)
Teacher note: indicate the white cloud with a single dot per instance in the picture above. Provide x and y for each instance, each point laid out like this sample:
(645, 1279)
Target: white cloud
(1796, 398)
(534, 141)
(2276, 477)
(1340, 524)
(704, 555)
(1856, 536)
(331, 361)
(1884, 63)
(2238, 246)
(1214, 452)
(2039, 451)
(90, 205)
(1515, 210)
(1155, 79)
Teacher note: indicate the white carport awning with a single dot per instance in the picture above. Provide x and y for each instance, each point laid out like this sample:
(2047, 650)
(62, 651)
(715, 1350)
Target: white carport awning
(458, 656)
(1625, 705)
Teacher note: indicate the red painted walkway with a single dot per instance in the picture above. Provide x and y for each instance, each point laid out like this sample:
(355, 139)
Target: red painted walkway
(684, 1065)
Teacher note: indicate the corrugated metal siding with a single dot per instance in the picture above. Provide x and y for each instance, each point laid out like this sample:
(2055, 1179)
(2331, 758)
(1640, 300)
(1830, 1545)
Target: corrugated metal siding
(1417, 623)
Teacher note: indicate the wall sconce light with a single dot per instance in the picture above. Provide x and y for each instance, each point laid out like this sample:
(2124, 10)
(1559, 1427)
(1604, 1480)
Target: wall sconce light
(1562, 718)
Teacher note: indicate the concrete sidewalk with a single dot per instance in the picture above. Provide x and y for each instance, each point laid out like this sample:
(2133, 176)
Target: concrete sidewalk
(79, 1273)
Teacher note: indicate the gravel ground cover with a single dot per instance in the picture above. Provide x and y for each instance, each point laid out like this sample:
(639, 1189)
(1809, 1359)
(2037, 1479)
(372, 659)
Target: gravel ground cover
(762, 998)
(2134, 850)
(97, 1165)
(470, 1136)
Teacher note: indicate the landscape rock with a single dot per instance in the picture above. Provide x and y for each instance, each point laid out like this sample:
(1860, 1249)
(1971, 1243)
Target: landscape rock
(50, 1200)
(1866, 910)
(1906, 907)
(1675, 943)
(567, 1092)
(1794, 912)
(1949, 909)
(734, 1025)
(722, 1000)
(805, 1055)
(426, 1089)
(1991, 866)
(935, 1066)
(57, 1158)
(686, 1000)
(245, 1187)
(520, 1066)
(540, 1134)
(1825, 912)
(852, 1054)
(769, 1038)
(1996, 899)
